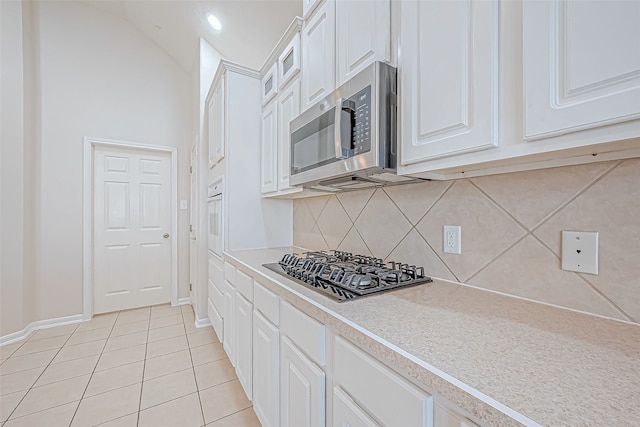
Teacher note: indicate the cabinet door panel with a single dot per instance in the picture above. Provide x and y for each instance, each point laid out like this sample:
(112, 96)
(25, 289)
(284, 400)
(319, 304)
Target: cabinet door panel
(244, 338)
(215, 318)
(268, 150)
(288, 109)
(228, 324)
(363, 35)
(318, 54)
(266, 371)
(270, 84)
(378, 390)
(347, 413)
(302, 389)
(444, 418)
(581, 65)
(289, 61)
(448, 78)
(216, 123)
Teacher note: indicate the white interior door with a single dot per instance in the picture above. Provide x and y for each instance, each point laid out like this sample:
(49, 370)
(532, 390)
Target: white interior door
(132, 221)
(193, 245)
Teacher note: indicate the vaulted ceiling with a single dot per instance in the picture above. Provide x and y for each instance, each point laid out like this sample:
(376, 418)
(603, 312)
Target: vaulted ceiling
(250, 28)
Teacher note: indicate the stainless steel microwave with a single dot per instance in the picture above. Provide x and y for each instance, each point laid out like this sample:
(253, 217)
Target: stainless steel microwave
(348, 140)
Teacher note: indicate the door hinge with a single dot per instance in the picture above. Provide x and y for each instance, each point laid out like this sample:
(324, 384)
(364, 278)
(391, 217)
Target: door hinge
(190, 228)
(190, 287)
(190, 169)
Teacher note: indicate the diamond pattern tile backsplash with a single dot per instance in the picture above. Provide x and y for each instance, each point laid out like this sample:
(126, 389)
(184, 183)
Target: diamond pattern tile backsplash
(511, 231)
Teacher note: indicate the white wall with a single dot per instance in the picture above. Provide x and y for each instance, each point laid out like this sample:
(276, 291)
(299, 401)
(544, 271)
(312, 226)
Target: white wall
(11, 168)
(99, 77)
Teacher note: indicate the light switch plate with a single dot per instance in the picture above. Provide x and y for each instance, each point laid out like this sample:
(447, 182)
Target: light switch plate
(183, 204)
(580, 251)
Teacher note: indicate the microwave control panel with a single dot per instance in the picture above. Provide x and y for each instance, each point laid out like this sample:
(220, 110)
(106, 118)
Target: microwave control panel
(361, 121)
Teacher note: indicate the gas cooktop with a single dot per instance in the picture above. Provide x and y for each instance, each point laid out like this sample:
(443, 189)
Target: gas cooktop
(345, 276)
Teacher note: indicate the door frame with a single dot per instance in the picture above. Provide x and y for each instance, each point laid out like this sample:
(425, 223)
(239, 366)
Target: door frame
(87, 215)
(193, 218)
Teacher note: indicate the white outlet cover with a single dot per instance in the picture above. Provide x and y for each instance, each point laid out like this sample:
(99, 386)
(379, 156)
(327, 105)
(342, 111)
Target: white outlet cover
(580, 251)
(452, 239)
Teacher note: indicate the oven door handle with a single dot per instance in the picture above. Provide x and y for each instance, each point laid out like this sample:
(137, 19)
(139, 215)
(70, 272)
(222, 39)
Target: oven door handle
(344, 122)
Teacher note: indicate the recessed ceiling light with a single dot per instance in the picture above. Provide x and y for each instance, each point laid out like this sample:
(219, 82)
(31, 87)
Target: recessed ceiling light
(214, 22)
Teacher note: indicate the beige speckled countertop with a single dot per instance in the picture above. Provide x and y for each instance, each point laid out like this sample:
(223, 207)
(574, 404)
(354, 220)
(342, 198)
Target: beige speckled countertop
(505, 360)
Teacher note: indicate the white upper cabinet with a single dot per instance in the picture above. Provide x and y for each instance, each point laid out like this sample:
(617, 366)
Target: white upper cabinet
(285, 64)
(289, 61)
(268, 148)
(318, 54)
(308, 6)
(288, 109)
(363, 35)
(270, 84)
(581, 65)
(216, 123)
(448, 76)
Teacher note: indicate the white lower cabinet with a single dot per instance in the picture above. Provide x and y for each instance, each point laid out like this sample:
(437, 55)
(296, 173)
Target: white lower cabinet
(380, 393)
(443, 417)
(244, 342)
(229, 325)
(281, 359)
(346, 411)
(266, 370)
(215, 295)
(302, 388)
(302, 378)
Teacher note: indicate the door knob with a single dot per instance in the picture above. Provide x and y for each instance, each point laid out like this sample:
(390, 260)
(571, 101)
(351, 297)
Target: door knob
(165, 235)
(193, 238)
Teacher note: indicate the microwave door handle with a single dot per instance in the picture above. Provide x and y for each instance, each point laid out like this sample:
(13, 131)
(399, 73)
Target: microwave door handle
(343, 125)
(337, 126)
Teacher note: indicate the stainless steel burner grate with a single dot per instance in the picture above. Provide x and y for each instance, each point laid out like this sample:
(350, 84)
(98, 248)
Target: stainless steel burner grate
(346, 276)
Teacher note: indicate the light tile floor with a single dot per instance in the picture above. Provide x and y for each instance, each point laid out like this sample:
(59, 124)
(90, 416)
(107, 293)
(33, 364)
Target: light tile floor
(143, 367)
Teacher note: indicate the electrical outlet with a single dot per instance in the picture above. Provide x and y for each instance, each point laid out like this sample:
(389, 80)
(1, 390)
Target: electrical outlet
(580, 251)
(452, 239)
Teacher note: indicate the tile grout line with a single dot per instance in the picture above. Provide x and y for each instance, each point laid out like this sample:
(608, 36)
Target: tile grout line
(527, 231)
(195, 378)
(606, 298)
(84, 397)
(438, 256)
(94, 369)
(31, 387)
(531, 231)
(144, 367)
(227, 416)
(576, 195)
(353, 221)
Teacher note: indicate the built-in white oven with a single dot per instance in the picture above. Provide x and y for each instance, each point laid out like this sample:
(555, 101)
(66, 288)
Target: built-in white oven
(214, 200)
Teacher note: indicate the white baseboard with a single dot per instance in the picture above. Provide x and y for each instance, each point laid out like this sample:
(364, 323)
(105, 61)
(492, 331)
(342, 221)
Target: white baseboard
(40, 324)
(203, 323)
(183, 301)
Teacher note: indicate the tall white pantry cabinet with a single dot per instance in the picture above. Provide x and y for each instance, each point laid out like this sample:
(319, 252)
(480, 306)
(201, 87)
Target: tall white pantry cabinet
(248, 220)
